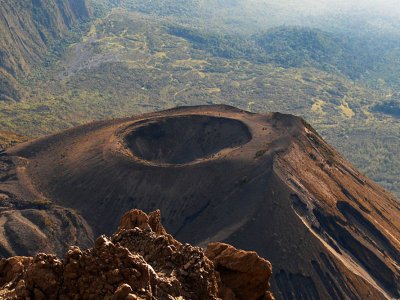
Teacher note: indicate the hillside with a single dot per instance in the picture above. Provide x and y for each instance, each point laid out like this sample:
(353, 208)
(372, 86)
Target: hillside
(217, 174)
(28, 28)
(297, 47)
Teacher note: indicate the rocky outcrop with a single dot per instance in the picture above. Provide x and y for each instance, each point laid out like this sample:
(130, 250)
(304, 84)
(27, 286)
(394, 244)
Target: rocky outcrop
(243, 273)
(137, 218)
(12, 268)
(140, 261)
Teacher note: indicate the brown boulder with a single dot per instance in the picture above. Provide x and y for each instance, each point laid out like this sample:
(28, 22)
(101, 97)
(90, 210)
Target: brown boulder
(42, 278)
(155, 222)
(135, 218)
(12, 268)
(122, 292)
(243, 272)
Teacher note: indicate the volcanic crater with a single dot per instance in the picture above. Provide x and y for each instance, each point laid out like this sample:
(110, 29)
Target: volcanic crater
(185, 139)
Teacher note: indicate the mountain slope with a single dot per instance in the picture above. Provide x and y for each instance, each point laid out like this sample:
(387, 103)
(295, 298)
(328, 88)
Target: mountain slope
(28, 27)
(267, 183)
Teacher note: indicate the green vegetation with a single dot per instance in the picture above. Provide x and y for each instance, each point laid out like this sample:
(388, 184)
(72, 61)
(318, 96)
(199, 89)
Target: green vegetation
(143, 56)
(41, 202)
(9, 139)
(298, 47)
(389, 107)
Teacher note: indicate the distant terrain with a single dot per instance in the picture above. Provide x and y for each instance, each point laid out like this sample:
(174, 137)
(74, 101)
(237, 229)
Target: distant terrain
(28, 30)
(89, 60)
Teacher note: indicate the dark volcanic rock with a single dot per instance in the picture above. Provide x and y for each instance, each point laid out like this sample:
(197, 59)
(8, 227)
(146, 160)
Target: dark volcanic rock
(243, 272)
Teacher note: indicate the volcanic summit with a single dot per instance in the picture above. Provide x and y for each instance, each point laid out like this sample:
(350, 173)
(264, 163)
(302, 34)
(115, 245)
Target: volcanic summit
(261, 182)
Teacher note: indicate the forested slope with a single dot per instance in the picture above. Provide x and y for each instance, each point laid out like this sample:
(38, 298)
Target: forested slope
(27, 29)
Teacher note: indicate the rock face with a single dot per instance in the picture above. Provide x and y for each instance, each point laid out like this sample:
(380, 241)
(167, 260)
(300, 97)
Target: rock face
(242, 272)
(140, 261)
(261, 182)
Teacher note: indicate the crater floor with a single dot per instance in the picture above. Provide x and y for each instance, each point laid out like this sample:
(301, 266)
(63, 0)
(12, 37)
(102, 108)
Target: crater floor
(185, 139)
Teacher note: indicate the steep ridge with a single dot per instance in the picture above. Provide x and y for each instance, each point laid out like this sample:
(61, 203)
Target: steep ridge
(140, 261)
(27, 28)
(30, 222)
(271, 185)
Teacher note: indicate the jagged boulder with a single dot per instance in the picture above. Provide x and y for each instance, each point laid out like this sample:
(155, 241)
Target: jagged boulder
(140, 261)
(137, 218)
(12, 268)
(242, 272)
(173, 261)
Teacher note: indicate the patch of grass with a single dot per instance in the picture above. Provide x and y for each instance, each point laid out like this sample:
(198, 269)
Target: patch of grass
(41, 202)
